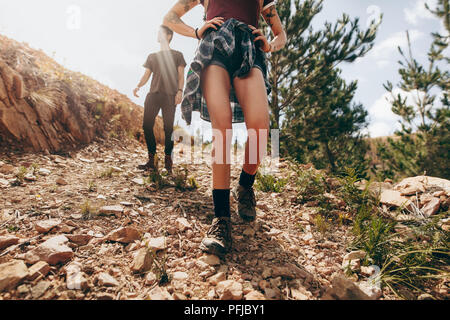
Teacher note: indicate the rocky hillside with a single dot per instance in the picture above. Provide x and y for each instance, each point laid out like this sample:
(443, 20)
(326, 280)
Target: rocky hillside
(45, 107)
(89, 225)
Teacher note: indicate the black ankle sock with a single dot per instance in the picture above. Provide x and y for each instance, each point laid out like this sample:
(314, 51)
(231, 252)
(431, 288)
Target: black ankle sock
(247, 180)
(221, 203)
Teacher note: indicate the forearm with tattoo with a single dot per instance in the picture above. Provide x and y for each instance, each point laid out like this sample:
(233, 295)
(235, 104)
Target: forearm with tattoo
(273, 20)
(269, 16)
(173, 18)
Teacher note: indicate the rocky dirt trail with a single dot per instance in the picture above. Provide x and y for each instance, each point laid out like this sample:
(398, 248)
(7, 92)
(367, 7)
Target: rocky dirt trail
(86, 226)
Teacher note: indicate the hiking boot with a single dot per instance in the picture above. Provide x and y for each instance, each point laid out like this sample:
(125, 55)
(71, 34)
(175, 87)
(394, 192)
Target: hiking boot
(246, 203)
(218, 240)
(168, 163)
(150, 165)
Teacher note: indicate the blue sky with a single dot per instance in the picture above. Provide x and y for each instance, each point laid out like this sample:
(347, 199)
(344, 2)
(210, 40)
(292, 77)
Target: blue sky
(110, 40)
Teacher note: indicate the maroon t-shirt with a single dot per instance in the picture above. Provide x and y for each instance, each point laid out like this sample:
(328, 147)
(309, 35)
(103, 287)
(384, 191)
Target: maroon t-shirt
(247, 11)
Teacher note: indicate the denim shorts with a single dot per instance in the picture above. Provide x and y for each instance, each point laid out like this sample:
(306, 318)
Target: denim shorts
(233, 63)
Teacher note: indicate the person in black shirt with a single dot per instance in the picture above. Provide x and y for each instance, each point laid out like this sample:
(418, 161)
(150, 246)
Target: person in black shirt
(166, 92)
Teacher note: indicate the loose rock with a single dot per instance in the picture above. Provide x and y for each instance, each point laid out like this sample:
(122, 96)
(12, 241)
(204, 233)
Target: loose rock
(7, 241)
(210, 260)
(111, 210)
(142, 261)
(53, 251)
(344, 289)
(106, 280)
(229, 290)
(124, 235)
(11, 274)
(38, 269)
(44, 226)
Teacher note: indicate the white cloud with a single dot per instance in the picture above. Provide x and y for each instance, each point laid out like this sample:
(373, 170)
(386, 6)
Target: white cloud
(383, 121)
(383, 63)
(384, 49)
(380, 129)
(419, 11)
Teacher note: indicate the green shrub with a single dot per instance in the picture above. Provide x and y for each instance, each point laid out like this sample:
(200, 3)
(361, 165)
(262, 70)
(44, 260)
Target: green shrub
(269, 183)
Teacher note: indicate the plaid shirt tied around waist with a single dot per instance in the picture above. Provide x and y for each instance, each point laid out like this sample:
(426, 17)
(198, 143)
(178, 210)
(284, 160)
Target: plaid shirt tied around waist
(222, 40)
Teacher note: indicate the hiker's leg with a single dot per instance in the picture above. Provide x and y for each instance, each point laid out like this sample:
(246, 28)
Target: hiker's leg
(168, 113)
(216, 90)
(252, 95)
(152, 107)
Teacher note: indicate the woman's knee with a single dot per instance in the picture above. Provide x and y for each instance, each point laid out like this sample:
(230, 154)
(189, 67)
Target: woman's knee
(258, 124)
(221, 122)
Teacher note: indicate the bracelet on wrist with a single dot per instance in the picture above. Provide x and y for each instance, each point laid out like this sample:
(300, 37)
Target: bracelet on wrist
(196, 34)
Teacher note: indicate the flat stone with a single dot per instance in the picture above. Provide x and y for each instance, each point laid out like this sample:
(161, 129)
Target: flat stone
(180, 276)
(23, 289)
(79, 239)
(138, 181)
(411, 188)
(45, 226)
(127, 204)
(432, 207)
(142, 262)
(374, 292)
(344, 289)
(219, 277)
(44, 172)
(7, 169)
(255, 296)
(301, 295)
(11, 274)
(368, 271)
(438, 194)
(183, 224)
(38, 290)
(38, 269)
(394, 198)
(4, 183)
(61, 182)
(53, 251)
(111, 210)
(124, 235)
(290, 271)
(157, 244)
(150, 279)
(229, 290)
(30, 177)
(428, 182)
(7, 241)
(210, 259)
(355, 255)
(159, 294)
(271, 294)
(106, 280)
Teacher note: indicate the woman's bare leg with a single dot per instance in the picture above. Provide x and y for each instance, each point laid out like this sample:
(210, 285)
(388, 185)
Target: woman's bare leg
(252, 95)
(216, 90)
